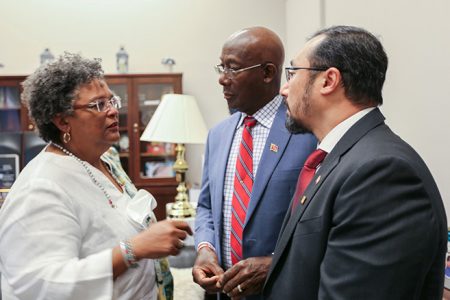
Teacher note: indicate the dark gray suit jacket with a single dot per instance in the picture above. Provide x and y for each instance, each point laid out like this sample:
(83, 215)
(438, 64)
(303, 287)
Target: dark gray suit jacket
(373, 225)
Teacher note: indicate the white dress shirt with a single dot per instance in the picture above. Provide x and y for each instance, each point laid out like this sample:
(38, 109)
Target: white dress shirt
(333, 137)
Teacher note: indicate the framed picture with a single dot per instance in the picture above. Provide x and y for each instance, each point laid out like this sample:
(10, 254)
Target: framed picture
(9, 169)
(159, 169)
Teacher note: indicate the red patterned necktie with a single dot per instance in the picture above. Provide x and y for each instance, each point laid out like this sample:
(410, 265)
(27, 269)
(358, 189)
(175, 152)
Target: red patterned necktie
(243, 184)
(307, 174)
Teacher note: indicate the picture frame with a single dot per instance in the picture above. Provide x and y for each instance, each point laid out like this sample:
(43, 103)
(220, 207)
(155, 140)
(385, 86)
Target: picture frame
(9, 169)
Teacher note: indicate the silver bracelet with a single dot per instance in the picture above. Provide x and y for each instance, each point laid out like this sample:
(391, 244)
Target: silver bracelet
(128, 254)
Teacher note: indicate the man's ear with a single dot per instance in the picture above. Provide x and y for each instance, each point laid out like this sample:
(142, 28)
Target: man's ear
(270, 71)
(61, 122)
(330, 81)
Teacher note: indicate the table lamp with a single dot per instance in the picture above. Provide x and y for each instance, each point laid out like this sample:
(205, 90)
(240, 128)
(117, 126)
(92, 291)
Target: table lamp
(177, 120)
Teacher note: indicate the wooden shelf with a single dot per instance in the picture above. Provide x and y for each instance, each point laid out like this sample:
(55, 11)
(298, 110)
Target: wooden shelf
(158, 156)
(10, 108)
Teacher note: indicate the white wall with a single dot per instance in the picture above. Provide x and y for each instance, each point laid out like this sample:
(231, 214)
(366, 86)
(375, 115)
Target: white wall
(415, 35)
(191, 31)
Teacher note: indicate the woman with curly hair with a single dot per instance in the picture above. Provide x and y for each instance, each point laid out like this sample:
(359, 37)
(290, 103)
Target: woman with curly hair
(70, 228)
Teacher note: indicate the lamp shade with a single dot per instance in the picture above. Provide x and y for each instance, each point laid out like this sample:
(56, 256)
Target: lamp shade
(176, 120)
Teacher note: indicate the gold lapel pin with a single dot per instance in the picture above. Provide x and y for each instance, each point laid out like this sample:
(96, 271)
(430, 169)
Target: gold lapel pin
(303, 200)
(318, 179)
(273, 148)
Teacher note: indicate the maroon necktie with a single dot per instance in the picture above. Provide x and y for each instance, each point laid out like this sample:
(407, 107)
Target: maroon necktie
(243, 184)
(307, 174)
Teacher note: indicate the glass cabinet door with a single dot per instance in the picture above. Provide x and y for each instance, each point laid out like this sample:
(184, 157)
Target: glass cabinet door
(120, 88)
(156, 158)
(10, 109)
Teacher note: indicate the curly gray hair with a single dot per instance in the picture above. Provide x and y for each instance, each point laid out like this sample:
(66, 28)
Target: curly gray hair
(53, 88)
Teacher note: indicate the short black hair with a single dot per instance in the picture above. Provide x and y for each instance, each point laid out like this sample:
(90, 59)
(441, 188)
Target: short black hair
(359, 56)
(53, 87)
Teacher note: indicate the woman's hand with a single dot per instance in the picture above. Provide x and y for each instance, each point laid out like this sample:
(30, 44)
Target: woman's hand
(160, 239)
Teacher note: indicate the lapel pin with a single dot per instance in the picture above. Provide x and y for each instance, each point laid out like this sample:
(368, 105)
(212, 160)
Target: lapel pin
(302, 201)
(273, 148)
(318, 179)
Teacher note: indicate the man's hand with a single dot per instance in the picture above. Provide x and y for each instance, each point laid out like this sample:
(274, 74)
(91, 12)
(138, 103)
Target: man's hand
(206, 271)
(249, 274)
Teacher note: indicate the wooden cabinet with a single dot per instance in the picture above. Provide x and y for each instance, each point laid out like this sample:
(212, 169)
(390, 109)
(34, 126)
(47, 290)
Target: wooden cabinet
(14, 134)
(149, 165)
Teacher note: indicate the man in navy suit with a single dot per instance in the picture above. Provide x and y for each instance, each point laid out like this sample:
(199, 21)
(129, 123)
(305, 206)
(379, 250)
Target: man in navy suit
(371, 224)
(250, 73)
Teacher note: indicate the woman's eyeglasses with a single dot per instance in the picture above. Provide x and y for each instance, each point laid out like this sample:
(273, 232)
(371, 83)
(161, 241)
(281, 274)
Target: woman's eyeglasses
(102, 105)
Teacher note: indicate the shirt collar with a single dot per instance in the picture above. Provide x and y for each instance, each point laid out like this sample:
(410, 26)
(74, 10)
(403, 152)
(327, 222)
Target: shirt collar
(333, 137)
(266, 114)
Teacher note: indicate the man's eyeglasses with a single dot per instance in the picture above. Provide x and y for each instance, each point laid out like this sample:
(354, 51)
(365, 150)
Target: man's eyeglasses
(290, 71)
(231, 73)
(102, 105)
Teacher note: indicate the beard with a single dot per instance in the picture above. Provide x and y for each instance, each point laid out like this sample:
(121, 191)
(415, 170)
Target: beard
(295, 127)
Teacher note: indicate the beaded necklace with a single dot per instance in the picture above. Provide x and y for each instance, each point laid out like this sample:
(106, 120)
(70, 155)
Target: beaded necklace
(88, 170)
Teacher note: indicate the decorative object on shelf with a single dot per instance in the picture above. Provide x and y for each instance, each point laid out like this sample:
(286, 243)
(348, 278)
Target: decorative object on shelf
(9, 170)
(46, 56)
(124, 142)
(147, 113)
(156, 148)
(159, 169)
(168, 62)
(122, 60)
(178, 120)
(11, 97)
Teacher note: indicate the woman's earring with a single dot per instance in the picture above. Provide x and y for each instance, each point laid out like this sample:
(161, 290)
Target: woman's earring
(66, 137)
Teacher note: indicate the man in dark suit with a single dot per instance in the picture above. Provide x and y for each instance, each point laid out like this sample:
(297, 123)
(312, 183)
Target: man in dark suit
(371, 223)
(250, 73)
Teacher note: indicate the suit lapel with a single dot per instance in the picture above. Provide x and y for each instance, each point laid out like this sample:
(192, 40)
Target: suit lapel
(355, 133)
(225, 138)
(292, 220)
(279, 136)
